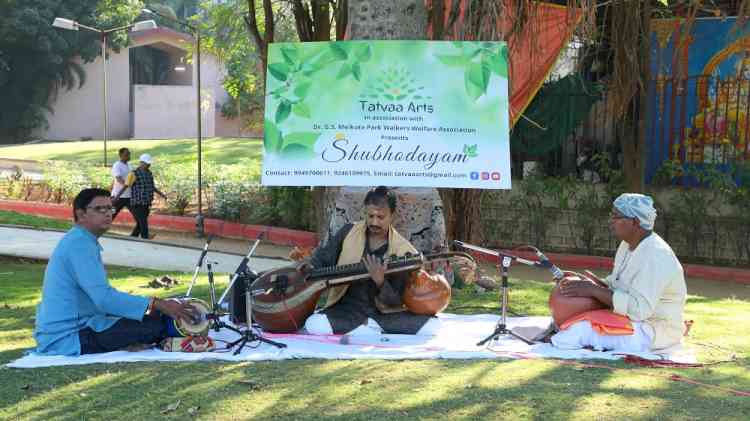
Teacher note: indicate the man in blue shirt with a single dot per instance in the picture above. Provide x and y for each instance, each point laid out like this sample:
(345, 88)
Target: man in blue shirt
(80, 312)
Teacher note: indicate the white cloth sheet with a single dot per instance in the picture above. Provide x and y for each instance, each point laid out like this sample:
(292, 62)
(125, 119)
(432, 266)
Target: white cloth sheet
(456, 339)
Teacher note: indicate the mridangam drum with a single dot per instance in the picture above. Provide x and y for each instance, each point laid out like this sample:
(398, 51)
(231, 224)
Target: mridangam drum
(196, 327)
(426, 294)
(564, 308)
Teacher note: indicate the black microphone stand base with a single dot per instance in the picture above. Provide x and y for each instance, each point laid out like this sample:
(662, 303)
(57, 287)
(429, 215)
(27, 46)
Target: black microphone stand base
(246, 336)
(501, 329)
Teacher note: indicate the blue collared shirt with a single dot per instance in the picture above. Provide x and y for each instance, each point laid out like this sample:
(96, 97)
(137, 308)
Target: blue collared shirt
(77, 295)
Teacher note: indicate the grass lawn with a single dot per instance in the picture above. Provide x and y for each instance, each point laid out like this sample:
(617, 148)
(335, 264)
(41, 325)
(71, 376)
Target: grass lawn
(15, 218)
(218, 150)
(368, 390)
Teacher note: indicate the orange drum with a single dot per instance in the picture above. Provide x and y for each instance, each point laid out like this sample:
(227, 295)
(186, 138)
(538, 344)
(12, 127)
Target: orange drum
(563, 308)
(426, 294)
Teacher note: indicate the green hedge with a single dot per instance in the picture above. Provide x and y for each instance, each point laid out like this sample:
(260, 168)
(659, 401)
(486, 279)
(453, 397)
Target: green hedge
(230, 192)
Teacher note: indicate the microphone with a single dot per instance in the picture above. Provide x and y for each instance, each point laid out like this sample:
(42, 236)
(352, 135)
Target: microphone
(488, 252)
(201, 259)
(544, 262)
(205, 250)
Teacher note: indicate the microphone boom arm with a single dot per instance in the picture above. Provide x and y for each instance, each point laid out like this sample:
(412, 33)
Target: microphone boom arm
(543, 262)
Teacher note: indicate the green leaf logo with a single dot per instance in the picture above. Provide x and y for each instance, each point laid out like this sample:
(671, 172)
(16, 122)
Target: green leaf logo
(339, 50)
(452, 60)
(352, 55)
(291, 55)
(471, 150)
(300, 145)
(363, 52)
(497, 62)
(479, 62)
(395, 84)
(295, 145)
(279, 70)
(345, 71)
(476, 79)
(272, 139)
(302, 89)
(282, 112)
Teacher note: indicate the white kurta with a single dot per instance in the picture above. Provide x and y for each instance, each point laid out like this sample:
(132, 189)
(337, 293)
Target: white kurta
(648, 286)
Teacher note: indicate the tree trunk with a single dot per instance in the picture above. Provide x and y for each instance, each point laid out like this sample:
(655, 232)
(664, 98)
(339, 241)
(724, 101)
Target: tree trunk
(643, 101)
(261, 41)
(463, 217)
(312, 20)
(634, 150)
(341, 16)
(461, 207)
(418, 216)
(386, 19)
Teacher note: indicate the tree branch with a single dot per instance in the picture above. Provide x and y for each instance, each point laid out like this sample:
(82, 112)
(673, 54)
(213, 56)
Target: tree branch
(251, 23)
(302, 21)
(268, 18)
(438, 19)
(321, 12)
(341, 13)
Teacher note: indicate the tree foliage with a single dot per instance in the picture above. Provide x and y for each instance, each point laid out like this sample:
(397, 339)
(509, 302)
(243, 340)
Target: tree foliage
(36, 59)
(224, 34)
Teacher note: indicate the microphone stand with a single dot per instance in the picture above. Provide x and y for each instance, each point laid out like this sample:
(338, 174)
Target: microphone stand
(240, 269)
(199, 265)
(504, 262)
(247, 335)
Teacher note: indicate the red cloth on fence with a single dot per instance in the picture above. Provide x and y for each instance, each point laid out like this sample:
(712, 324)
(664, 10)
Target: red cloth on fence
(532, 52)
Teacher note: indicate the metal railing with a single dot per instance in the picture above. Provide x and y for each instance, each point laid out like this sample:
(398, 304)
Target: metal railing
(697, 120)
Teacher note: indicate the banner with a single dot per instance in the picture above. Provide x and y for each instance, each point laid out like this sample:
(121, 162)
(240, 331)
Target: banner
(547, 29)
(397, 113)
(699, 95)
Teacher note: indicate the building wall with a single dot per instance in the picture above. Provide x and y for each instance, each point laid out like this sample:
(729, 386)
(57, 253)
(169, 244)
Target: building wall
(232, 127)
(168, 112)
(79, 113)
(180, 78)
(158, 111)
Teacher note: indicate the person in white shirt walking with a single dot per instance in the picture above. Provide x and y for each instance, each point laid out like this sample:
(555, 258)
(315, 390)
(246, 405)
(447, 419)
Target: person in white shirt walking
(141, 181)
(120, 191)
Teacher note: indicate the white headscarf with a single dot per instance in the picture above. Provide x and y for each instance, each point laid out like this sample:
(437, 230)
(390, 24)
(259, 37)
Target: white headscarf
(634, 205)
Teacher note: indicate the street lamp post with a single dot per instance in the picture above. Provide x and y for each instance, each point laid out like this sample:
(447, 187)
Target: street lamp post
(72, 25)
(199, 227)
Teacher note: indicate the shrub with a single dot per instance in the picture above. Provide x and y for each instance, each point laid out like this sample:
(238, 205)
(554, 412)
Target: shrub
(100, 177)
(19, 186)
(178, 182)
(591, 208)
(64, 180)
(250, 203)
(737, 194)
(692, 208)
(240, 201)
(231, 192)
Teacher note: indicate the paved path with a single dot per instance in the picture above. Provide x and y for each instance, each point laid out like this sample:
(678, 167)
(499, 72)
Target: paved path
(38, 244)
(31, 169)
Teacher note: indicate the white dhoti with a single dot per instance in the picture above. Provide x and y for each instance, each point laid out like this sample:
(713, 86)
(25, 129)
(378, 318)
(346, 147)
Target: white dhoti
(581, 335)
